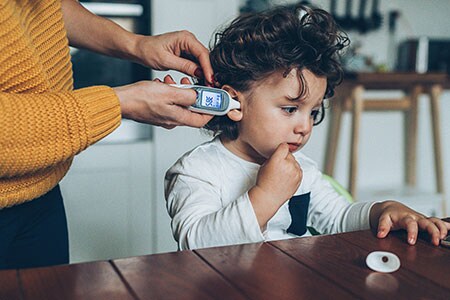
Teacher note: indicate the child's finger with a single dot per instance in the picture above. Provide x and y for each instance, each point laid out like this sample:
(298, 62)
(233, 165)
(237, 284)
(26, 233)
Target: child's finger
(432, 229)
(412, 229)
(384, 226)
(442, 226)
(282, 152)
(447, 224)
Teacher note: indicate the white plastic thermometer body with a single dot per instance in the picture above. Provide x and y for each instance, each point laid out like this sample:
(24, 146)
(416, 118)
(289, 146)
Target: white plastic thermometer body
(210, 100)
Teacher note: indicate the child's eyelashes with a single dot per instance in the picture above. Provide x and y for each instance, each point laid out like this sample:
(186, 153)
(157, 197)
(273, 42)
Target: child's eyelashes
(318, 114)
(289, 109)
(315, 114)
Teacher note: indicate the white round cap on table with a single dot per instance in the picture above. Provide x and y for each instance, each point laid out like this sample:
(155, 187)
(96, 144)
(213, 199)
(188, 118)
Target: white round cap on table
(383, 261)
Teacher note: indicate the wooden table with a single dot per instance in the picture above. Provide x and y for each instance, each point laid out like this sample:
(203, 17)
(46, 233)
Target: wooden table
(321, 267)
(350, 96)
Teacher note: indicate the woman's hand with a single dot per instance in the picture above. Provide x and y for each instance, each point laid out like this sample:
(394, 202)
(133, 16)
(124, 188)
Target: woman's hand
(158, 103)
(179, 50)
(392, 215)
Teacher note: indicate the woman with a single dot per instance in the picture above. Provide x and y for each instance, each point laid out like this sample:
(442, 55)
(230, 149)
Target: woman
(44, 122)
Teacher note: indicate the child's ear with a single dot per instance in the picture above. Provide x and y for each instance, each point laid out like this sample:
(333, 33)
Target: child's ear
(234, 114)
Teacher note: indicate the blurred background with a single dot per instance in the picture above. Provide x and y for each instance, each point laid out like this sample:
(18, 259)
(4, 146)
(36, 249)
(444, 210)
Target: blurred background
(114, 192)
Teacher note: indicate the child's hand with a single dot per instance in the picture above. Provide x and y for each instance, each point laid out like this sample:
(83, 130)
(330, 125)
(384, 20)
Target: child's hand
(391, 215)
(278, 179)
(280, 175)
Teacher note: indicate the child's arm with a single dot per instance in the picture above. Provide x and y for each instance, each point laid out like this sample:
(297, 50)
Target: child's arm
(392, 215)
(204, 215)
(199, 217)
(278, 179)
(207, 200)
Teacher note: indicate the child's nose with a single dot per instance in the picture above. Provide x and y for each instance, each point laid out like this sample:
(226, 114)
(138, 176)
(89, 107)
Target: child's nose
(303, 125)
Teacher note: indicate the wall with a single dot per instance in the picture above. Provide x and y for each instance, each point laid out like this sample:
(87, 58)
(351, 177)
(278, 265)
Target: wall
(108, 203)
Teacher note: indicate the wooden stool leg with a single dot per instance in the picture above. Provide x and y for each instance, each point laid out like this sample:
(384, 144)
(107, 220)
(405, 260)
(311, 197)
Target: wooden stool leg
(435, 93)
(332, 140)
(357, 107)
(411, 137)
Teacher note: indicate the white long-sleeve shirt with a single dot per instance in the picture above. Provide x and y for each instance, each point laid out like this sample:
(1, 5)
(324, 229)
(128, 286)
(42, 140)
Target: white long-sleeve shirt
(207, 198)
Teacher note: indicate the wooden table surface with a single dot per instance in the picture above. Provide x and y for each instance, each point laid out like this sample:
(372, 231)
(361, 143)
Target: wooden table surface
(321, 267)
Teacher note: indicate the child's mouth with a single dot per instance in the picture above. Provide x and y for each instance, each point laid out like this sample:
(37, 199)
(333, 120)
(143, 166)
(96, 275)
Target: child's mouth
(293, 147)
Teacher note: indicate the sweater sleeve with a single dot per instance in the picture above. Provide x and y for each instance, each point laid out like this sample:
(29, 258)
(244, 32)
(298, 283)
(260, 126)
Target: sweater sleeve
(199, 220)
(38, 131)
(330, 212)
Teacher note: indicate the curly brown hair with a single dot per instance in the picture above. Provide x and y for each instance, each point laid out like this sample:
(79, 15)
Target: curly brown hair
(283, 38)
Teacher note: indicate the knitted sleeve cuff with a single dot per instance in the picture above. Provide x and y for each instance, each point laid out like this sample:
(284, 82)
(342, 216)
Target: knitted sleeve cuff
(102, 109)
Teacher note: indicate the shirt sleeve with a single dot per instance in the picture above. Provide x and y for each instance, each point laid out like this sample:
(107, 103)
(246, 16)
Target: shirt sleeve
(199, 220)
(41, 130)
(330, 212)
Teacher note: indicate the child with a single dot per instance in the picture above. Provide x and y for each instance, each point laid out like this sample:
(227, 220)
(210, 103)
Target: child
(251, 183)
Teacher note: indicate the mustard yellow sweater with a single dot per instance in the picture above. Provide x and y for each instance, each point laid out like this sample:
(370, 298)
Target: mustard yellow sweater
(44, 123)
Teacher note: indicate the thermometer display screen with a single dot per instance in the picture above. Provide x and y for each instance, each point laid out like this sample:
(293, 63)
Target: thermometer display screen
(211, 99)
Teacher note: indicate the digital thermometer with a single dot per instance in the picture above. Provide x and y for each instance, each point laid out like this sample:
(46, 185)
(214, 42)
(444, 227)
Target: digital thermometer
(210, 100)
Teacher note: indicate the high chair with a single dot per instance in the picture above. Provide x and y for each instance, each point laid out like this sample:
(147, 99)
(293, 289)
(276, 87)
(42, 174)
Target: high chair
(340, 190)
(350, 96)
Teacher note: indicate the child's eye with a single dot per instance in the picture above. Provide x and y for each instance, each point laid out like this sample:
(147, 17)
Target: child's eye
(318, 114)
(289, 109)
(315, 114)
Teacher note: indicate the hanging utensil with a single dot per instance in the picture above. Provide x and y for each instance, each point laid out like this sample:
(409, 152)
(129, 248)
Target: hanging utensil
(376, 17)
(361, 20)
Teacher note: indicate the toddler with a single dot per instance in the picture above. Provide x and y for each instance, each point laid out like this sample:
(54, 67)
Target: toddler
(251, 183)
